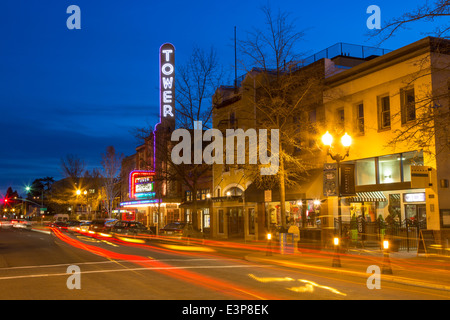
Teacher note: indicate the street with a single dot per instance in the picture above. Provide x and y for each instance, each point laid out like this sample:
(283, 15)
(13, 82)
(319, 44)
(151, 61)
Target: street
(35, 266)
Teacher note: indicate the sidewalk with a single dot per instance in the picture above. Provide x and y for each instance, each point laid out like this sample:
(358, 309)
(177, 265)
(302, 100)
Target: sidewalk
(430, 271)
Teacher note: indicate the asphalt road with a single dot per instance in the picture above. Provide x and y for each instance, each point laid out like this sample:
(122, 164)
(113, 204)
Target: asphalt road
(37, 266)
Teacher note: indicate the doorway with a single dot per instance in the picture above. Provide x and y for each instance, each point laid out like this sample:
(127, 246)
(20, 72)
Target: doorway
(416, 213)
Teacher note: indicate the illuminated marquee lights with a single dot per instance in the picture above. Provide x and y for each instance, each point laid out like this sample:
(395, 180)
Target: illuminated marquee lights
(167, 80)
(141, 184)
(138, 203)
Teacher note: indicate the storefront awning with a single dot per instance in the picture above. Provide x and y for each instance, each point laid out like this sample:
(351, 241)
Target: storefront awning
(371, 196)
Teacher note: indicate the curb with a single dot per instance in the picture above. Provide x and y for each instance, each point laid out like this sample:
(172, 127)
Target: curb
(390, 278)
(41, 231)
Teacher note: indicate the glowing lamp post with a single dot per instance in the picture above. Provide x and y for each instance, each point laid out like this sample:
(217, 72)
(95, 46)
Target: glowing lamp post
(346, 141)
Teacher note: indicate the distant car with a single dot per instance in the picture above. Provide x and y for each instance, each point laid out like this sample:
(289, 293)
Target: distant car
(84, 226)
(174, 229)
(4, 224)
(102, 225)
(23, 225)
(61, 225)
(73, 226)
(130, 228)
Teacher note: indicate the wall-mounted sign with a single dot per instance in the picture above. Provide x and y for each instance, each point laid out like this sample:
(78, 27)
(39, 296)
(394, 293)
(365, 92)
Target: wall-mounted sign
(347, 186)
(414, 197)
(167, 81)
(142, 184)
(330, 179)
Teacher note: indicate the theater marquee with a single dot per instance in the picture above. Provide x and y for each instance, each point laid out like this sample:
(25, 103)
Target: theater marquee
(142, 185)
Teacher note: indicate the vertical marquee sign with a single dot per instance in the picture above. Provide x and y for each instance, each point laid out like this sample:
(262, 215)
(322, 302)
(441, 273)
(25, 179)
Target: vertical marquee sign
(167, 84)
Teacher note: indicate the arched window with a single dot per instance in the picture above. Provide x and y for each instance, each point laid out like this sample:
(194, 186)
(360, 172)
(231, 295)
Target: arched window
(234, 191)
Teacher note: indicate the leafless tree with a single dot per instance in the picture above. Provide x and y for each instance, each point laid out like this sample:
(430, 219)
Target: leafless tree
(196, 82)
(72, 167)
(110, 173)
(284, 93)
(436, 12)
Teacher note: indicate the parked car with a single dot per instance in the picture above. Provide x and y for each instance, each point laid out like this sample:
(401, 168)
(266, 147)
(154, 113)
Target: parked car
(180, 230)
(174, 229)
(102, 225)
(22, 224)
(130, 228)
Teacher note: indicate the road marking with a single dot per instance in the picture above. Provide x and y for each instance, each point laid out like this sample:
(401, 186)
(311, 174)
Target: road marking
(134, 269)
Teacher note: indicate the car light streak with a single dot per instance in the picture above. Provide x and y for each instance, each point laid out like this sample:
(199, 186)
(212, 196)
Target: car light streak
(132, 240)
(188, 248)
(309, 287)
(270, 279)
(181, 274)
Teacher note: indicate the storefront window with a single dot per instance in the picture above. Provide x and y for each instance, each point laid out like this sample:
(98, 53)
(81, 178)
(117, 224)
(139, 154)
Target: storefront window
(221, 221)
(411, 159)
(389, 169)
(206, 218)
(365, 172)
(251, 220)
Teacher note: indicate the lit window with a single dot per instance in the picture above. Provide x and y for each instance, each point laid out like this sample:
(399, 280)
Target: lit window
(408, 105)
(384, 112)
(389, 168)
(360, 118)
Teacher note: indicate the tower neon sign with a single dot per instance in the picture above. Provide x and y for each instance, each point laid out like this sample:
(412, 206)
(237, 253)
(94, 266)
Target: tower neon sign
(167, 81)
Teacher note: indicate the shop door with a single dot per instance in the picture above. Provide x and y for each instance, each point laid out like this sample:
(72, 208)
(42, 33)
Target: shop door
(416, 213)
(235, 222)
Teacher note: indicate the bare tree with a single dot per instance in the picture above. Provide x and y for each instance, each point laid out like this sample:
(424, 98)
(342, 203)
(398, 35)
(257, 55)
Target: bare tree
(284, 94)
(196, 82)
(111, 164)
(436, 12)
(429, 131)
(72, 167)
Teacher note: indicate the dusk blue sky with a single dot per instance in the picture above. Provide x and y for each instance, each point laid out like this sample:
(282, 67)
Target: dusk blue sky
(78, 91)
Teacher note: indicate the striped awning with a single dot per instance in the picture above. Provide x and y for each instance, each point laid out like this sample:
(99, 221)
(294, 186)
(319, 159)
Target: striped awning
(370, 196)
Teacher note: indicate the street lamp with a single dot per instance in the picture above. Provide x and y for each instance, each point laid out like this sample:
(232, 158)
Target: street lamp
(346, 141)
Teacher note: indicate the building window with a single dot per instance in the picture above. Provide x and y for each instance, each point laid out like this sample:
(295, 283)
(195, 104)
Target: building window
(201, 194)
(221, 220)
(384, 112)
(389, 170)
(206, 218)
(340, 119)
(411, 159)
(365, 172)
(408, 105)
(251, 220)
(360, 118)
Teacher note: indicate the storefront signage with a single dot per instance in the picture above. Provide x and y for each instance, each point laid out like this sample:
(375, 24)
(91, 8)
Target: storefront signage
(167, 81)
(414, 197)
(347, 186)
(330, 179)
(142, 185)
